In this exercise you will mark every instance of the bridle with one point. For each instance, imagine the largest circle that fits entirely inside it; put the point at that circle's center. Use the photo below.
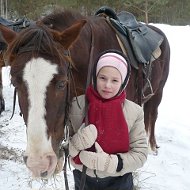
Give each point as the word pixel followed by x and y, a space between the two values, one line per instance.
pixel 65 142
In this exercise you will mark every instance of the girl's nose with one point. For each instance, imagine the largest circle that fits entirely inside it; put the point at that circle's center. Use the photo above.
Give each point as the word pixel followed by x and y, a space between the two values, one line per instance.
pixel 108 84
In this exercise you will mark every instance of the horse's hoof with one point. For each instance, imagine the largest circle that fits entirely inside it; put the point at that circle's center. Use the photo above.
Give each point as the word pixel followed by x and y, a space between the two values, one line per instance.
pixel 153 149
pixel 2 105
pixel 157 147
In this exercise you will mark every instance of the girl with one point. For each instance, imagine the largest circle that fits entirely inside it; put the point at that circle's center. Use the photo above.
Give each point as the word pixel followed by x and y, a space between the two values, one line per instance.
pixel 114 143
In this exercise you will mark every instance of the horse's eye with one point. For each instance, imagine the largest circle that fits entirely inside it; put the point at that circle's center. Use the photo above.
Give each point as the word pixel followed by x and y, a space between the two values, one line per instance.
pixel 61 85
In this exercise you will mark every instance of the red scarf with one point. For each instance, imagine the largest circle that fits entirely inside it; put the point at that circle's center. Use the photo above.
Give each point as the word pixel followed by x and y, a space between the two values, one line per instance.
pixel 107 115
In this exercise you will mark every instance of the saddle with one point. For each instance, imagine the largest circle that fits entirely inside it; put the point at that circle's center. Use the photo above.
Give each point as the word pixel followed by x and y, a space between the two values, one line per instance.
pixel 16 26
pixel 143 40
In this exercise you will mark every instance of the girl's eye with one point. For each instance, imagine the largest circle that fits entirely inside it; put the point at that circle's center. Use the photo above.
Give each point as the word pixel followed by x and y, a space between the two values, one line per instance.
pixel 101 77
pixel 115 81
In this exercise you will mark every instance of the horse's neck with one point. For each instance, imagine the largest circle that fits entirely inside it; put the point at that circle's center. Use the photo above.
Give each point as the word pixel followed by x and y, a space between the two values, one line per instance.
pixel 90 46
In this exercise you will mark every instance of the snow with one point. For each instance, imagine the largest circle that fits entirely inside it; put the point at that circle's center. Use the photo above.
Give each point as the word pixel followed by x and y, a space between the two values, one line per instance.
pixel 169 169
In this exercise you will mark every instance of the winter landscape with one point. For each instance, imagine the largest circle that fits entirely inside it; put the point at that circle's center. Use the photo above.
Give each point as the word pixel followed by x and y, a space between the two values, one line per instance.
pixel 168 170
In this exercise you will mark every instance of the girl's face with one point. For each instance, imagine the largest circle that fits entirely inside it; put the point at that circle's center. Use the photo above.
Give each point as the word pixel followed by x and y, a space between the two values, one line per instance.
pixel 108 82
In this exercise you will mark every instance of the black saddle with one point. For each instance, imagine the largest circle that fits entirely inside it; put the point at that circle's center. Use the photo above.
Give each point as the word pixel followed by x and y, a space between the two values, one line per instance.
pixel 16 25
pixel 107 11
pixel 144 41
pixel 5 22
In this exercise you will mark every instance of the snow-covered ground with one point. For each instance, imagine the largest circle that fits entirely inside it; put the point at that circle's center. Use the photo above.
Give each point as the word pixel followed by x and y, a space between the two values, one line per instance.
pixel 169 170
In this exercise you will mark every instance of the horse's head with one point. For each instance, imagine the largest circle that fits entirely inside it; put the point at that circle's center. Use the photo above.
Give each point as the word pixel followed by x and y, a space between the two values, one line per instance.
pixel 39 72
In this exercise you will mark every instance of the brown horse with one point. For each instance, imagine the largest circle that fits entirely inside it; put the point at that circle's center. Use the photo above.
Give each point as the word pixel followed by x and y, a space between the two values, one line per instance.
pixel 43 59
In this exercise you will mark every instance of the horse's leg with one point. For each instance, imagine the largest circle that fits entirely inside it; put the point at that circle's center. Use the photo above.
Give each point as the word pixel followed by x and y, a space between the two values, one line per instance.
pixel 2 102
pixel 150 116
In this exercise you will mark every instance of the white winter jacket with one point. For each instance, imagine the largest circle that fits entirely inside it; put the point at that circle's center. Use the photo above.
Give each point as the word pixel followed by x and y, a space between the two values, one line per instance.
pixel 137 154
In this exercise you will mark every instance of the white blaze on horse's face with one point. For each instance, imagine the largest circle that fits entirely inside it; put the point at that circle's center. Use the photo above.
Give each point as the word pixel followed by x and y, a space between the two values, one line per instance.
pixel 41 159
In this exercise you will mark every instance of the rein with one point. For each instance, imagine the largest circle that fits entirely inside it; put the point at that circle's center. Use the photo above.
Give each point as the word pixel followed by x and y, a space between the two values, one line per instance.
pixel 65 143
pixel 90 66
pixel 64 146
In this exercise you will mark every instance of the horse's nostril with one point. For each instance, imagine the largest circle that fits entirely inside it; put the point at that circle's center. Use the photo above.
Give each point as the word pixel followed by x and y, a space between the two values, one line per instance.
pixel 44 174
pixel 25 159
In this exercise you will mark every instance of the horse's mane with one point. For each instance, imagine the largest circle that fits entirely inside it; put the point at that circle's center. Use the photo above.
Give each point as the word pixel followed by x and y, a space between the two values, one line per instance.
pixel 37 40
pixel 62 18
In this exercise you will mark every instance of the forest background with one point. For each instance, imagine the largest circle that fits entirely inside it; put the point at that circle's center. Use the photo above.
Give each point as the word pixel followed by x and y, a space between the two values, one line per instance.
pixel 149 11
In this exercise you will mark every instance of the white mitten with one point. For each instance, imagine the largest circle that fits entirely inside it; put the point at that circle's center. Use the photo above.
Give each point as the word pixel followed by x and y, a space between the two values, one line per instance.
pixel 99 160
pixel 83 139
pixel 72 150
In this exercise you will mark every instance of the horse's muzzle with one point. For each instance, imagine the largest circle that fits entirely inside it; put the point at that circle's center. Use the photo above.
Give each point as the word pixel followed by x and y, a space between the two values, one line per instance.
pixel 41 166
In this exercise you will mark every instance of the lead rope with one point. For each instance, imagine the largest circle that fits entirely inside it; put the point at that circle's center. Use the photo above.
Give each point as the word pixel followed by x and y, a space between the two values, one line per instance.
pixel 66 150
pixel 65 142
pixel 90 66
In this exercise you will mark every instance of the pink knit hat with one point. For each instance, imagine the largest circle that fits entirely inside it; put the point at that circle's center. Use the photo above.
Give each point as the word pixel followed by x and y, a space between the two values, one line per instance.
pixel 113 60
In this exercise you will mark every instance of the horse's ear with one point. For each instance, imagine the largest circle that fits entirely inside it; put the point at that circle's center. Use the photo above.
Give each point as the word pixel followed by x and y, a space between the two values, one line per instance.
pixel 8 34
pixel 69 35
